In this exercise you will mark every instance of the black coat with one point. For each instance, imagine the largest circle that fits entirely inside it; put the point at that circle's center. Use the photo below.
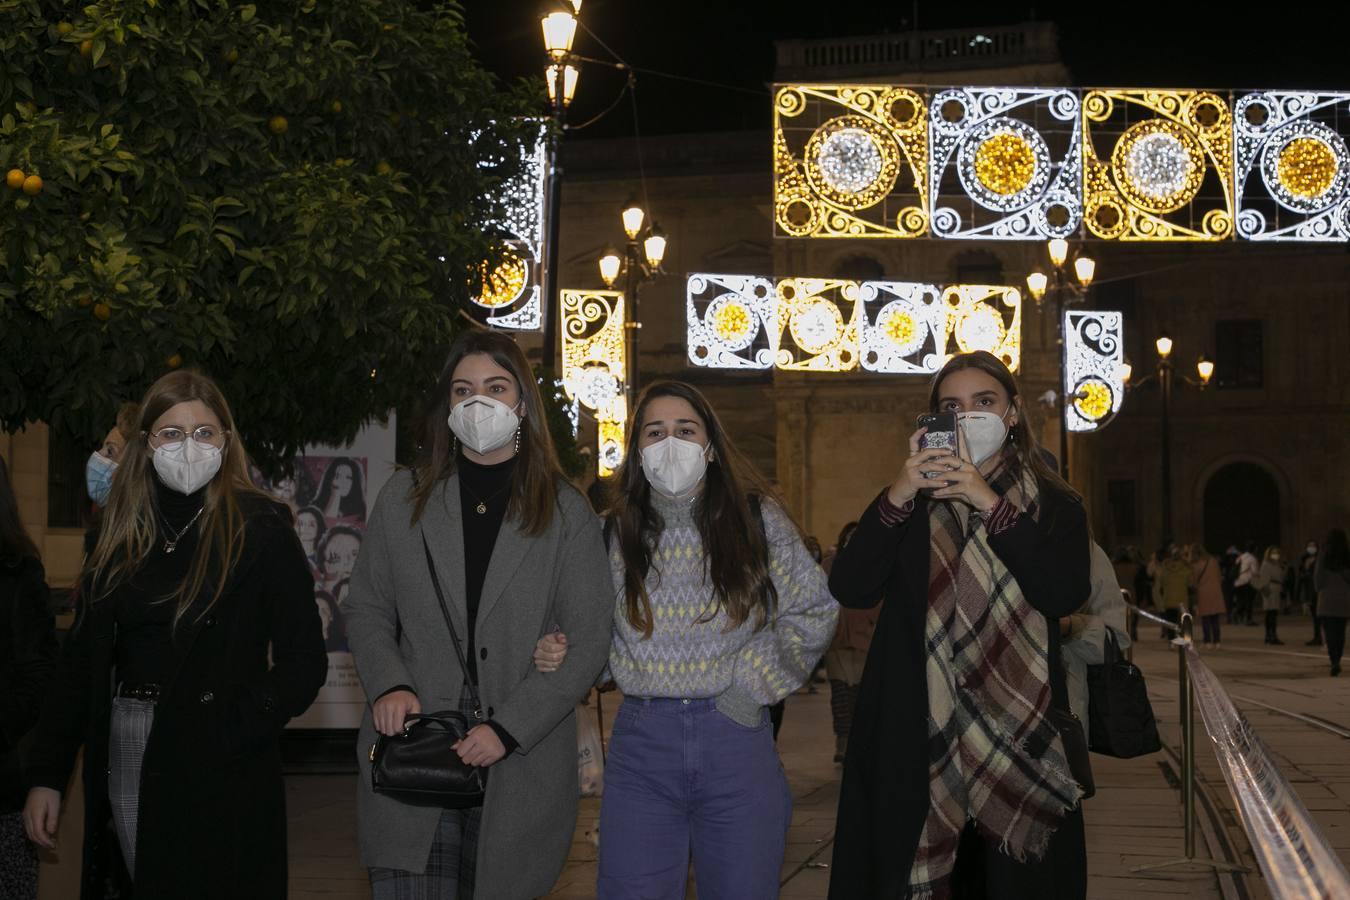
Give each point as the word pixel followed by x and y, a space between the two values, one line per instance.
pixel 212 821
pixel 883 799
pixel 28 652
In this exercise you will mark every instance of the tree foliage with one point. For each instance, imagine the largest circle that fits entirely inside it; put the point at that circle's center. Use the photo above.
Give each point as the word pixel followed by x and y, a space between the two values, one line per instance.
pixel 286 196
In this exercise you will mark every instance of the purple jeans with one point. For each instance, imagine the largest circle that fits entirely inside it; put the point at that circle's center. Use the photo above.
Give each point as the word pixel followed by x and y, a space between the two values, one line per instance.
pixel 683 778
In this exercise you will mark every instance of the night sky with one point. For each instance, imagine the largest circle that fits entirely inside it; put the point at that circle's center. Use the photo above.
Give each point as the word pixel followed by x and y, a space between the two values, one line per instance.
pixel 1171 43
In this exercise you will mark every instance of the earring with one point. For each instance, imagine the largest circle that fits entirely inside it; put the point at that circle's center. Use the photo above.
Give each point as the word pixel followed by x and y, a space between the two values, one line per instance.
pixel 517 441
pixel 454 445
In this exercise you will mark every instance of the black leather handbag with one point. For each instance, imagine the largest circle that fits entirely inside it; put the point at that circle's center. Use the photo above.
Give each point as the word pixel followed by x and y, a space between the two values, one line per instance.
pixel 417 766
pixel 1121 722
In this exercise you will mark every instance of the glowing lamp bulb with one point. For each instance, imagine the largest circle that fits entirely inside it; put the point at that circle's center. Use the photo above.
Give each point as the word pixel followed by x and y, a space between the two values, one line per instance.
pixel 568 76
pixel 654 247
pixel 1085 269
pixel 1164 345
pixel 1205 368
pixel 560 28
pixel 1125 370
pixel 610 264
pixel 1059 251
pixel 1037 282
pixel 633 217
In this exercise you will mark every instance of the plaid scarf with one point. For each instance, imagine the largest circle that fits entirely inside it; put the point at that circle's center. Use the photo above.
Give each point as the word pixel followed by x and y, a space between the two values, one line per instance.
pixel 994 755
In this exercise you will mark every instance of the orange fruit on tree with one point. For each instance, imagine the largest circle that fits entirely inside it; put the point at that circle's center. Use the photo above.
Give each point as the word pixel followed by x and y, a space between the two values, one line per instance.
pixel 14 178
pixel 85 300
pixel 337 106
pixel 232 56
pixel 64 28
pixel 278 124
pixel 32 185
pixel 86 48
pixel 102 312
pixel 383 168
pixel 174 361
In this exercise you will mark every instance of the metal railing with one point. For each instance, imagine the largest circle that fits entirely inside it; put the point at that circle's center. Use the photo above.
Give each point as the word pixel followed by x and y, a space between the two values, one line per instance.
pixel 1293 854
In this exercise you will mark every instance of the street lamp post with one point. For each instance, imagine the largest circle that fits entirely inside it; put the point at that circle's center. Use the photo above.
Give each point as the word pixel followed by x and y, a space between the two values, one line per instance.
pixel 643 252
pixel 561 76
pixel 1166 374
pixel 1063 289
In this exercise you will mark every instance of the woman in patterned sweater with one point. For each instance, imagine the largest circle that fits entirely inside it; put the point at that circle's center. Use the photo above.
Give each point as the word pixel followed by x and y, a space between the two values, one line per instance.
pixel 720 612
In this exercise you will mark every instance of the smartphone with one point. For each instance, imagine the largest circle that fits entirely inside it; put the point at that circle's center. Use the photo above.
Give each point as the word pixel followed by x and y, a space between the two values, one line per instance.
pixel 941 434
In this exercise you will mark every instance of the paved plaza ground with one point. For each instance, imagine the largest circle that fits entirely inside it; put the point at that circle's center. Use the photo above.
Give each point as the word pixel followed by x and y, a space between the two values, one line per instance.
pixel 1135 819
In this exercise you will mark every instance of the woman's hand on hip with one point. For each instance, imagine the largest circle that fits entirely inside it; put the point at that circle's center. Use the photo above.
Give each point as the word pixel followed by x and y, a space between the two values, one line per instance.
pixel 550 651
pixel 390 710
pixel 480 747
pixel 912 479
pixel 42 816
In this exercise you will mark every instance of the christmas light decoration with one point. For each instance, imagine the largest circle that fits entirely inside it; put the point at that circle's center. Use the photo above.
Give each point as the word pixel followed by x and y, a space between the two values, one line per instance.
pixel 510 297
pixel 1017 157
pixel 833 325
pixel 1149 186
pixel 593 355
pixel 1292 169
pixel 850 161
pixel 1094 368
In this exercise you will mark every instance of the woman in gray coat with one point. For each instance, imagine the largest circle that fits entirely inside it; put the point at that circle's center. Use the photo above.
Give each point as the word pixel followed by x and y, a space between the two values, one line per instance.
pixel 519 553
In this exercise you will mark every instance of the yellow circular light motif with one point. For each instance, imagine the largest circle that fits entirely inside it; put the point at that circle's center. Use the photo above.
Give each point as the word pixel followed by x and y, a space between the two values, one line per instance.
pixel 900 328
pixel 504 284
pixel 1307 167
pixel 731 322
pixel 1005 163
pixel 1094 401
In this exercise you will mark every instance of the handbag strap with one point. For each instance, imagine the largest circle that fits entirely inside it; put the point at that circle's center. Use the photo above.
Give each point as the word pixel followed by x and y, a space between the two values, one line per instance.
pixel 454 635
pixel 1110 647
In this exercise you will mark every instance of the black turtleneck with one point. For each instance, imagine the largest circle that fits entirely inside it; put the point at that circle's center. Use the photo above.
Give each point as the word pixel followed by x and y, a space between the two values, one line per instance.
pixel 145 651
pixel 491 487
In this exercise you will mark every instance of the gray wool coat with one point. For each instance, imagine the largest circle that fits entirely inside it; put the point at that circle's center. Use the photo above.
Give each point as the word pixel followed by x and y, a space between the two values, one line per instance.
pixel 559 577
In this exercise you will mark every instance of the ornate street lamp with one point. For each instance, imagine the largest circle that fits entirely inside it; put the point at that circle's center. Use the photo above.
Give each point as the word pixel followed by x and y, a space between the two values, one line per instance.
pixel 640 261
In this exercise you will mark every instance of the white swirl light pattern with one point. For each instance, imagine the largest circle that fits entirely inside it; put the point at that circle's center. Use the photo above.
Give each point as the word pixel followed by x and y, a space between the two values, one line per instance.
pixel 1038 193
pixel 732 321
pixel 1094 355
pixel 522 225
pixel 849 160
pixel 1308 200
pixel 1158 165
pixel 828 325
pixel 594 355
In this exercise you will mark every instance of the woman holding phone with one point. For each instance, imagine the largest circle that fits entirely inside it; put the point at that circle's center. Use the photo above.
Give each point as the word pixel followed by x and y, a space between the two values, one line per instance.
pixel 956 780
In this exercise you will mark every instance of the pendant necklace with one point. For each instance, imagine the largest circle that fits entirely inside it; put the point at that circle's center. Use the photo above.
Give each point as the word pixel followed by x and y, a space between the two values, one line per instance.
pixel 482 508
pixel 172 543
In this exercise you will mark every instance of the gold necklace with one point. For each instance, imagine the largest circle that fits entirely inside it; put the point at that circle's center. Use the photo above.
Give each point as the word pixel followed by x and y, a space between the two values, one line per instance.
pixel 482 507
pixel 172 543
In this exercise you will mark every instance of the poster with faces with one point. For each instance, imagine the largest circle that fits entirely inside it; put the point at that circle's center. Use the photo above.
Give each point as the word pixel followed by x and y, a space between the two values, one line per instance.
pixel 330 491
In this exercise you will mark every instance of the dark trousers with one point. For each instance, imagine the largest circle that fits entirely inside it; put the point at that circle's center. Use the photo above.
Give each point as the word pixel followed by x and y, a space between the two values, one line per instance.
pixel 983 873
pixel 1172 615
pixel 1209 627
pixel 1244 599
pixel 1272 617
pixel 1317 623
pixel 1333 629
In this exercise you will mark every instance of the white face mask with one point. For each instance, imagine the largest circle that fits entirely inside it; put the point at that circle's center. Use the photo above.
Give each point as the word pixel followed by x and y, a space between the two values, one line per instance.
pixel 982 433
pixel 484 424
pixel 674 467
pixel 186 466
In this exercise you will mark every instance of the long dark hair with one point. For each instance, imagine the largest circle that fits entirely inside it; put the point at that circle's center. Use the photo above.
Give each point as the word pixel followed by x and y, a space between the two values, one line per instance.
pixel 733 540
pixel 354 504
pixel 534 483
pixel 1021 436
pixel 15 544
pixel 1336 554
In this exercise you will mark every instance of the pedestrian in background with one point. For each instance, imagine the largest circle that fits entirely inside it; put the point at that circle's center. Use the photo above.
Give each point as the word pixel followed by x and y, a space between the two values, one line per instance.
pixel 1084 632
pixel 1307 590
pixel 27 658
pixel 847 655
pixel 1331 577
pixel 1244 591
pixel 1171 586
pixel 196 640
pixel 1270 583
pixel 979 555
pixel 1209 605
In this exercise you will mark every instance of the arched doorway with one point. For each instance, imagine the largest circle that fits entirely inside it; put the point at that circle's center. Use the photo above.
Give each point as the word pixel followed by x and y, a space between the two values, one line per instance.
pixel 1242 503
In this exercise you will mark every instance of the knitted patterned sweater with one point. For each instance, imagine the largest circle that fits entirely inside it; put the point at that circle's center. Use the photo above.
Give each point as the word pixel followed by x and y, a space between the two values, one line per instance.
pixel 744 669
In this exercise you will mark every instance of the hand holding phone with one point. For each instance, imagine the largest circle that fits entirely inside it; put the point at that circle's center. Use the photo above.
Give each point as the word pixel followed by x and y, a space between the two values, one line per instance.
pixel 927 450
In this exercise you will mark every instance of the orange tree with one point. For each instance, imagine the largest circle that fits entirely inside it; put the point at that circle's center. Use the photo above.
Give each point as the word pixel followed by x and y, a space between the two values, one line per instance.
pixel 286 196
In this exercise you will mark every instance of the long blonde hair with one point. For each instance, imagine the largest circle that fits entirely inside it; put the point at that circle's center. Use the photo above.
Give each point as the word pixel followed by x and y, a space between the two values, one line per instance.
pixel 129 528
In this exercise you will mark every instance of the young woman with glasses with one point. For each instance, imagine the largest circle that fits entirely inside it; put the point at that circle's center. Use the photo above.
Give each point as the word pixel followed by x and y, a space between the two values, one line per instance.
pixel 196 639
